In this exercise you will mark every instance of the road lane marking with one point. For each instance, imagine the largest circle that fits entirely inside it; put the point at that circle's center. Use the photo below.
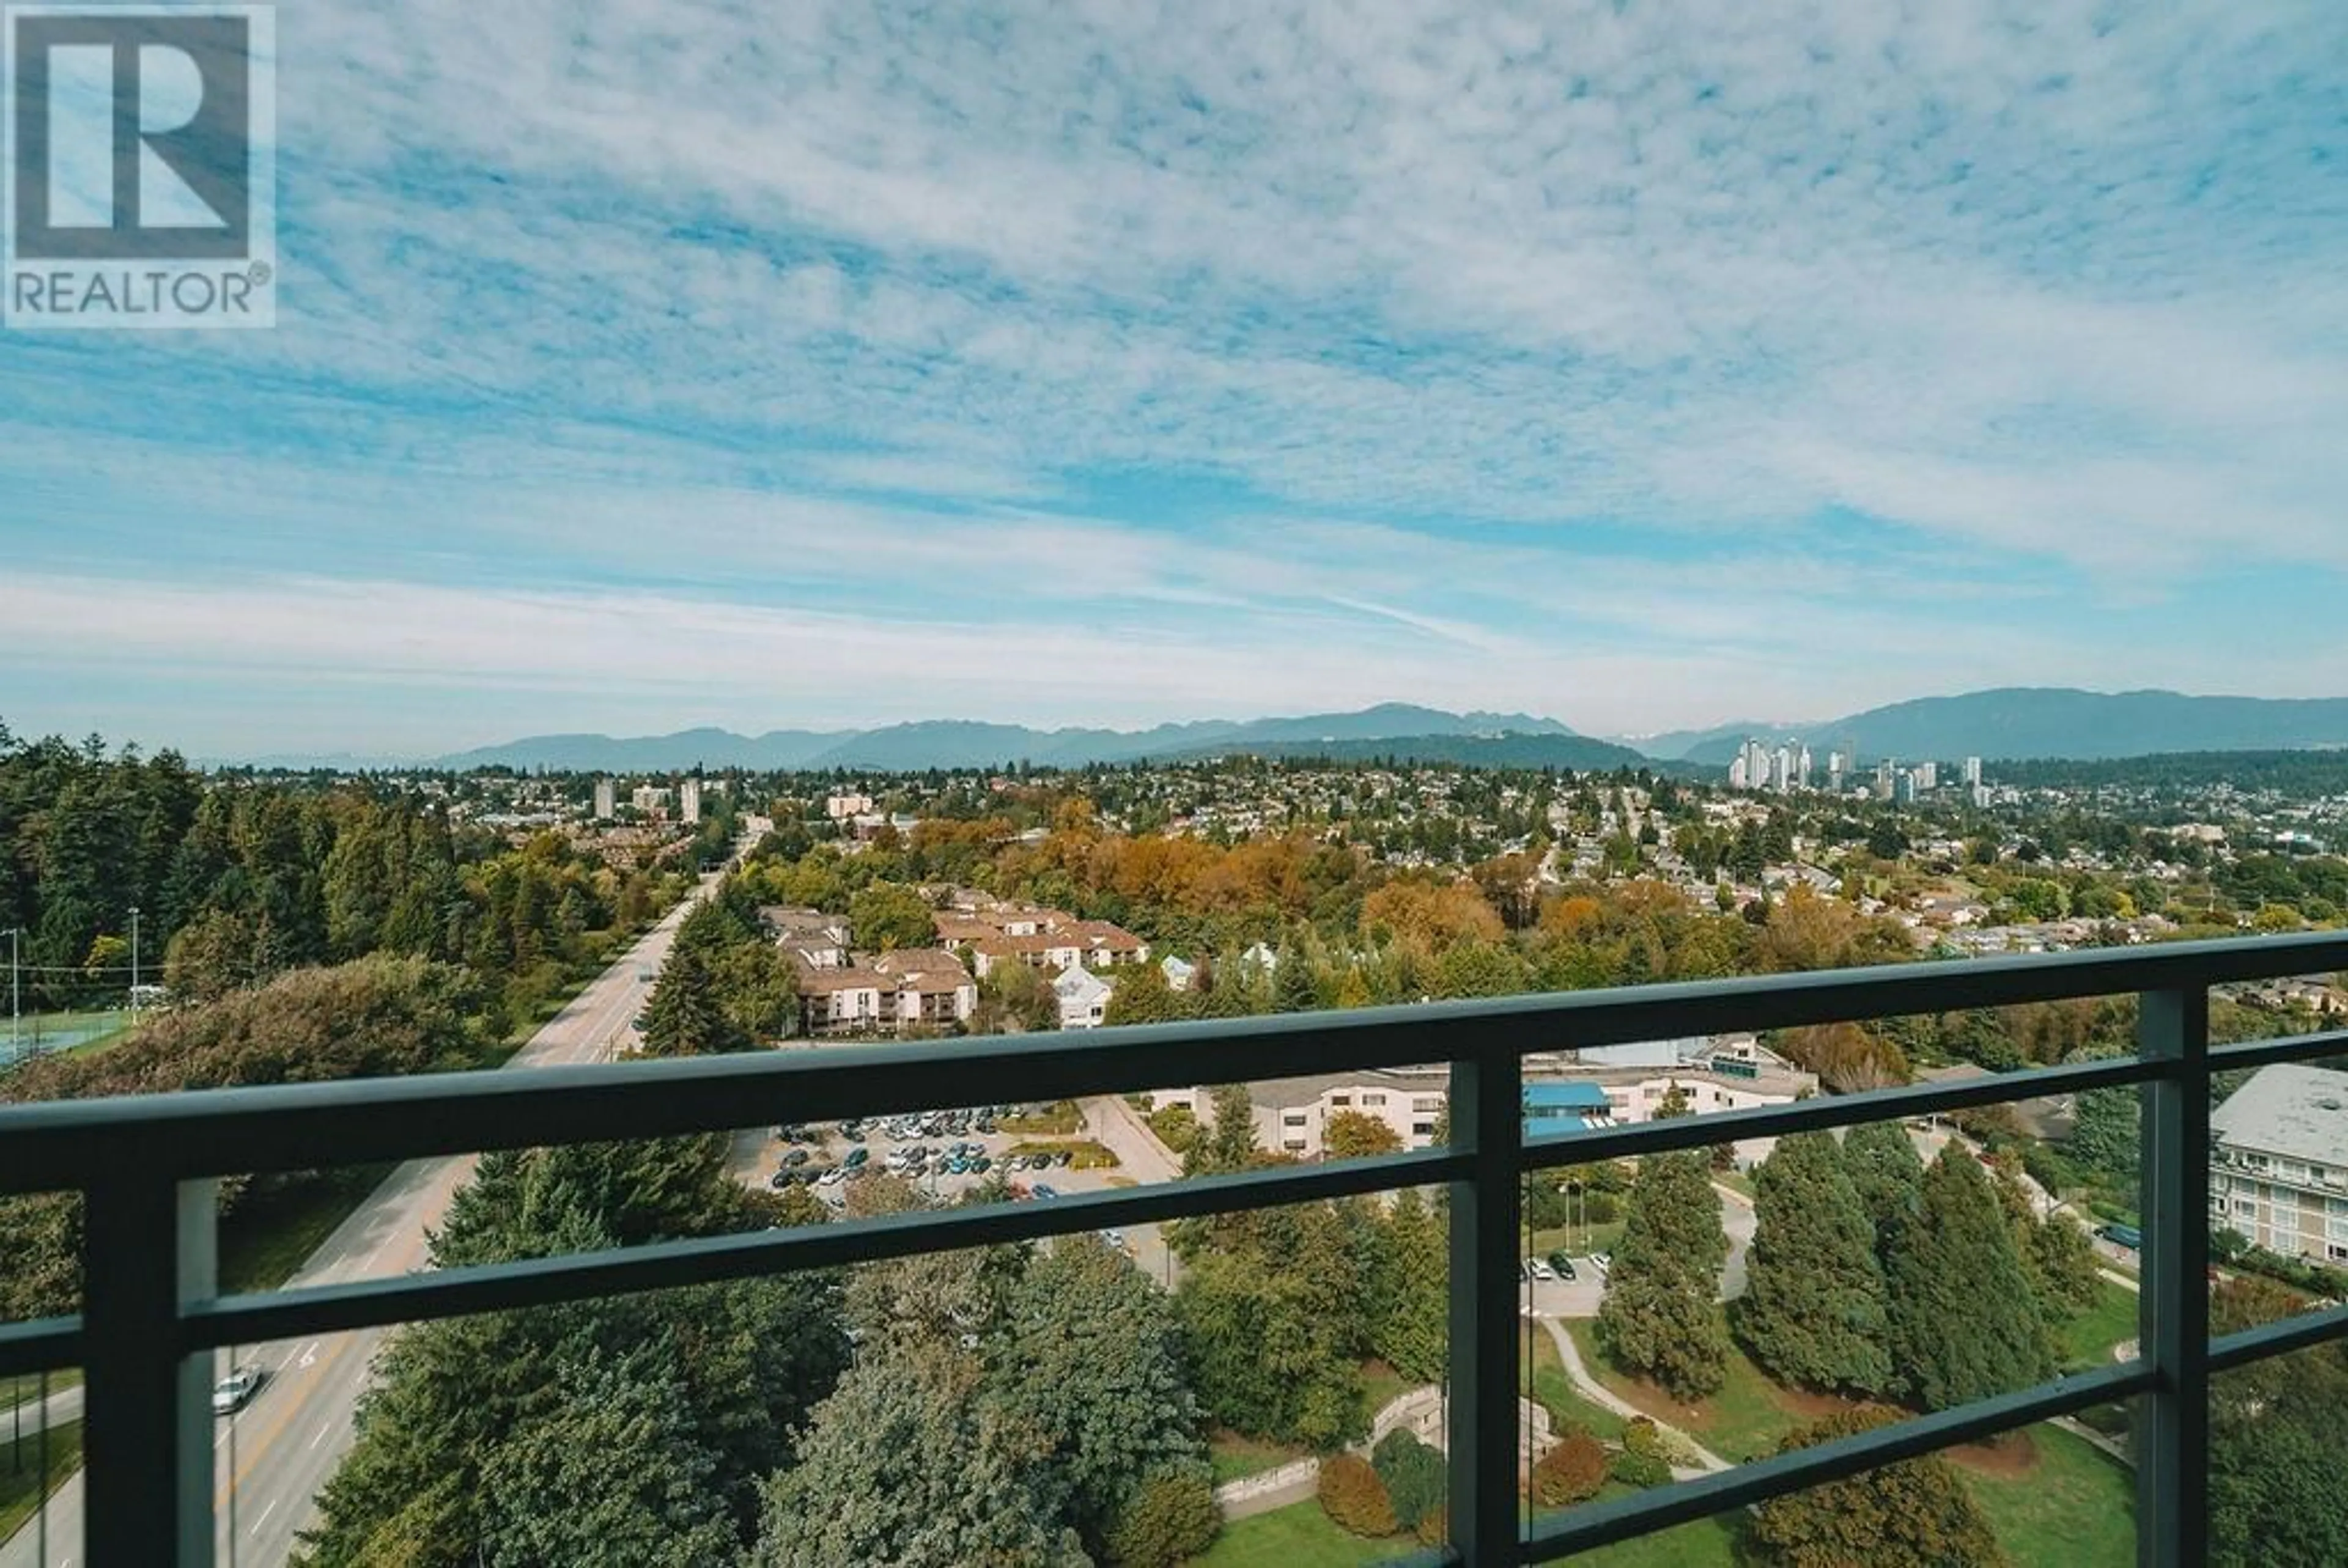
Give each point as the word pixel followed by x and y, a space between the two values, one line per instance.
pixel 323 1433
pixel 263 1519
pixel 251 1455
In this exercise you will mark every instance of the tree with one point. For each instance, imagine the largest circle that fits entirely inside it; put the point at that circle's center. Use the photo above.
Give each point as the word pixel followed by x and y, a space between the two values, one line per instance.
pixel 1408 1287
pixel 886 915
pixel 2106 1137
pixel 1813 1311
pixel 1888 1176
pixel 1914 1513
pixel 2274 1491
pixel 1091 1359
pixel 1228 1143
pixel 1660 1318
pixel 1352 1135
pixel 1414 1476
pixel 1571 1473
pixel 1354 1499
pixel 1170 1519
pixel 906 1463
pixel 685 1018
pixel 1965 1323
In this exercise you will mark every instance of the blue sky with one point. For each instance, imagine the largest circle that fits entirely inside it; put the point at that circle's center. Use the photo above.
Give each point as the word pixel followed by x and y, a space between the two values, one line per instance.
pixel 823 364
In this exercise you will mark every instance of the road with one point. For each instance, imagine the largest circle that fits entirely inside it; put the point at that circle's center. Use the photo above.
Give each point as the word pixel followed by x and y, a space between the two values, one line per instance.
pixel 276 1454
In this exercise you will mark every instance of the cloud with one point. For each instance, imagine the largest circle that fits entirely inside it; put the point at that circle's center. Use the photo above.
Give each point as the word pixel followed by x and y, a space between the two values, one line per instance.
pixel 1540 343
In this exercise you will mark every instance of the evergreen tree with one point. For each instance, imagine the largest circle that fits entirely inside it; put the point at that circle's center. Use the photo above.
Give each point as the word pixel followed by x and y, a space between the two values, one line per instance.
pixel 1965 1323
pixel 1888 1176
pixel 1660 1317
pixel 1813 1310
pixel 685 1018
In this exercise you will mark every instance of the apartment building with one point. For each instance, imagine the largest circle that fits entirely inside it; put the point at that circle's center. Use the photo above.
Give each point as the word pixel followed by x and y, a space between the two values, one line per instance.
pixel 1042 938
pixel 2279 1162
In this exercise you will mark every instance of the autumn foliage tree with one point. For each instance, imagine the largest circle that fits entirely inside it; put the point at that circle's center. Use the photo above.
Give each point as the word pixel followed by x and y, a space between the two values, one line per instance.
pixel 1354 1497
pixel 1571 1473
pixel 1914 1513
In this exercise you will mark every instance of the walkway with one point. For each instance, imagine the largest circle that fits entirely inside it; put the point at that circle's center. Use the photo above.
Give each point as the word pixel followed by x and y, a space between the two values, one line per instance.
pixel 1569 1356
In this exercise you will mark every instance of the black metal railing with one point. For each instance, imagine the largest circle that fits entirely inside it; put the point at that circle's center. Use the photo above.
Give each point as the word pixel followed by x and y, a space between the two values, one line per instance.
pixel 152 1316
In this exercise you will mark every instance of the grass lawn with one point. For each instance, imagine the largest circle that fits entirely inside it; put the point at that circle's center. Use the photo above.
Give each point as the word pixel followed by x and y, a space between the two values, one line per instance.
pixel 2076 1506
pixel 15 1392
pixel 1297 1536
pixel 2087 1339
pixel 1579 1241
pixel 1235 1458
pixel 273 1231
pixel 20 1488
pixel 1083 1154
pixel 1743 1421
pixel 1706 1543
pixel 1555 1392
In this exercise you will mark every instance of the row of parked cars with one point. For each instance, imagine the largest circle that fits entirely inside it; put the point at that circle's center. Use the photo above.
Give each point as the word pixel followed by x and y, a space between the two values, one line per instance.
pixel 1557 1266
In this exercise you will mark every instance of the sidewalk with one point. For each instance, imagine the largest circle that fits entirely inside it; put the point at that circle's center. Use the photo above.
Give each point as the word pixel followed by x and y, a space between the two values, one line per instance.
pixel 1597 1393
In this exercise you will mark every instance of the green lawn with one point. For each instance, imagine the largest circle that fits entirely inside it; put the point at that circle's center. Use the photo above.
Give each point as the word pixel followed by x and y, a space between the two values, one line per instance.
pixel 1555 1392
pixel 1580 1241
pixel 1706 1543
pixel 1297 1536
pixel 1235 1458
pixel 2087 1339
pixel 273 1232
pixel 15 1392
pixel 20 1488
pixel 1060 1121
pixel 2076 1506
pixel 1742 1421
pixel 1384 1385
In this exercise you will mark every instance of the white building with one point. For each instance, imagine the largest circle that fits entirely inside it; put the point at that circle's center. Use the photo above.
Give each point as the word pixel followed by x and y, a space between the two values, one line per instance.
pixel 650 798
pixel 841 807
pixel 689 801
pixel 1972 773
pixel 1084 999
pixel 1178 974
pixel 2279 1172
pixel 607 800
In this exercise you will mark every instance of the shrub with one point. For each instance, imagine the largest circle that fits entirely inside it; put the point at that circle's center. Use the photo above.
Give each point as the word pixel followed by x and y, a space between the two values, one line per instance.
pixel 1571 1473
pixel 1638 1469
pixel 1354 1497
pixel 1434 1526
pixel 1413 1475
pixel 1170 1519
pixel 1641 1436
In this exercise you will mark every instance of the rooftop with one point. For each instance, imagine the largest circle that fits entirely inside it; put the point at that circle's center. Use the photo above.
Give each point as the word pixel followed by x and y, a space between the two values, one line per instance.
pixel 2301 1113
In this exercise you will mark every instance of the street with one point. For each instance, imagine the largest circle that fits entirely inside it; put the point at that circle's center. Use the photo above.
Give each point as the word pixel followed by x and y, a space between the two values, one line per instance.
pixel 274 1455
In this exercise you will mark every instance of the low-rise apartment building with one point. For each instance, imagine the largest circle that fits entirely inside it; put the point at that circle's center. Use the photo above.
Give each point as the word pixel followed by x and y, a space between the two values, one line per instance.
pixel 886 993
pixel 2279 1162
pixel 1563 1091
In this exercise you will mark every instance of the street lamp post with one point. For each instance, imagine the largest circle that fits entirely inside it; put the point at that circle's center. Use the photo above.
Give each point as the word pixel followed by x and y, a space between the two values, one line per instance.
pixel 134 963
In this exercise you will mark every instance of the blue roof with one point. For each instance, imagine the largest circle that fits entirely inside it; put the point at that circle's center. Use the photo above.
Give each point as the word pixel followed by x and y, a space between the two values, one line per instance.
pixel 1564 1097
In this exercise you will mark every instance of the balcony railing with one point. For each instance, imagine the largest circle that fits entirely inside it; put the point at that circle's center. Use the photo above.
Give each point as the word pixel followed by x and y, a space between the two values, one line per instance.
pixel 153 1317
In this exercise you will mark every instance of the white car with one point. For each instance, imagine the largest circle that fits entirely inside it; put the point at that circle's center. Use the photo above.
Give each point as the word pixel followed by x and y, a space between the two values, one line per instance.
pixel 831 1178
pixel 231 1393
pixel 1540 1268
pixel 1601 1263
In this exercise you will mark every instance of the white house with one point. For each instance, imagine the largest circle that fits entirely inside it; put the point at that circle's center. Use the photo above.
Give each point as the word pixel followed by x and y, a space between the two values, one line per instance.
pixel 1084 998
pixel 1178 974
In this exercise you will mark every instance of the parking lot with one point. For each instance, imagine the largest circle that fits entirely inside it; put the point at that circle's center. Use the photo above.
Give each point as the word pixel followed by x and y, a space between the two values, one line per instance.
pixel 941 1154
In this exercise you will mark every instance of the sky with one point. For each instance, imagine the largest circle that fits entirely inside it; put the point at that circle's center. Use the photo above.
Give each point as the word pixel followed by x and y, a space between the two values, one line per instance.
pixel 650 364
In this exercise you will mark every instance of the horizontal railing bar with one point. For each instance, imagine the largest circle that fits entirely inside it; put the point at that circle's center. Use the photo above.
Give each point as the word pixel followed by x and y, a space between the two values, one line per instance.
pixel 1602 1525
pixel 2290 1047
pixel 40 1345
pixel 1595 1143
pixel 2300 1333
pixel 662 1266
pixel 302 1126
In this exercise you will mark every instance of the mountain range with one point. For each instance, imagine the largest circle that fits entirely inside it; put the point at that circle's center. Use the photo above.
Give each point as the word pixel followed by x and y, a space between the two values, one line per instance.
pixel 2018 722
pixel 2007 723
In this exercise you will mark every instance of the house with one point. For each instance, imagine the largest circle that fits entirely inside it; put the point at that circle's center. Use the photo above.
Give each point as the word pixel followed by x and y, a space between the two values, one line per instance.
pixel 1178 974
pixel 1084 998
pixel 887 993
pixel 2279 1172
pixel 1292 1115
pixel 1039 938
pixel 809 935
pixel 845 1000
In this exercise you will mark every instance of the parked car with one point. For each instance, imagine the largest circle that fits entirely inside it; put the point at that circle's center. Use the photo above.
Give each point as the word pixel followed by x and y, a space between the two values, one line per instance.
pixel 2122 1235
pixel 233 1392
pixel 1539 1268
pixel 783 1178
pixel 1045 1190
pixel 831 1178
pixel 1564 1265
pixel 1601 1263
pixel 795 1157
pixel 1062 1158
pixel 856 1156
pixel 1114 1238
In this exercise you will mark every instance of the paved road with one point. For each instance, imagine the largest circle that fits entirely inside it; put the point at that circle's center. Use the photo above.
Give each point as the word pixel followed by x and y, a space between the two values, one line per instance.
pixel 276 1454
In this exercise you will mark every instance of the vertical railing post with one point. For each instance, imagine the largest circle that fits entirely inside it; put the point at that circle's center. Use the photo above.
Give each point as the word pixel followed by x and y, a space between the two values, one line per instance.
pixel 1487 1121
pixel 147 1452
pixel 2173 1311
